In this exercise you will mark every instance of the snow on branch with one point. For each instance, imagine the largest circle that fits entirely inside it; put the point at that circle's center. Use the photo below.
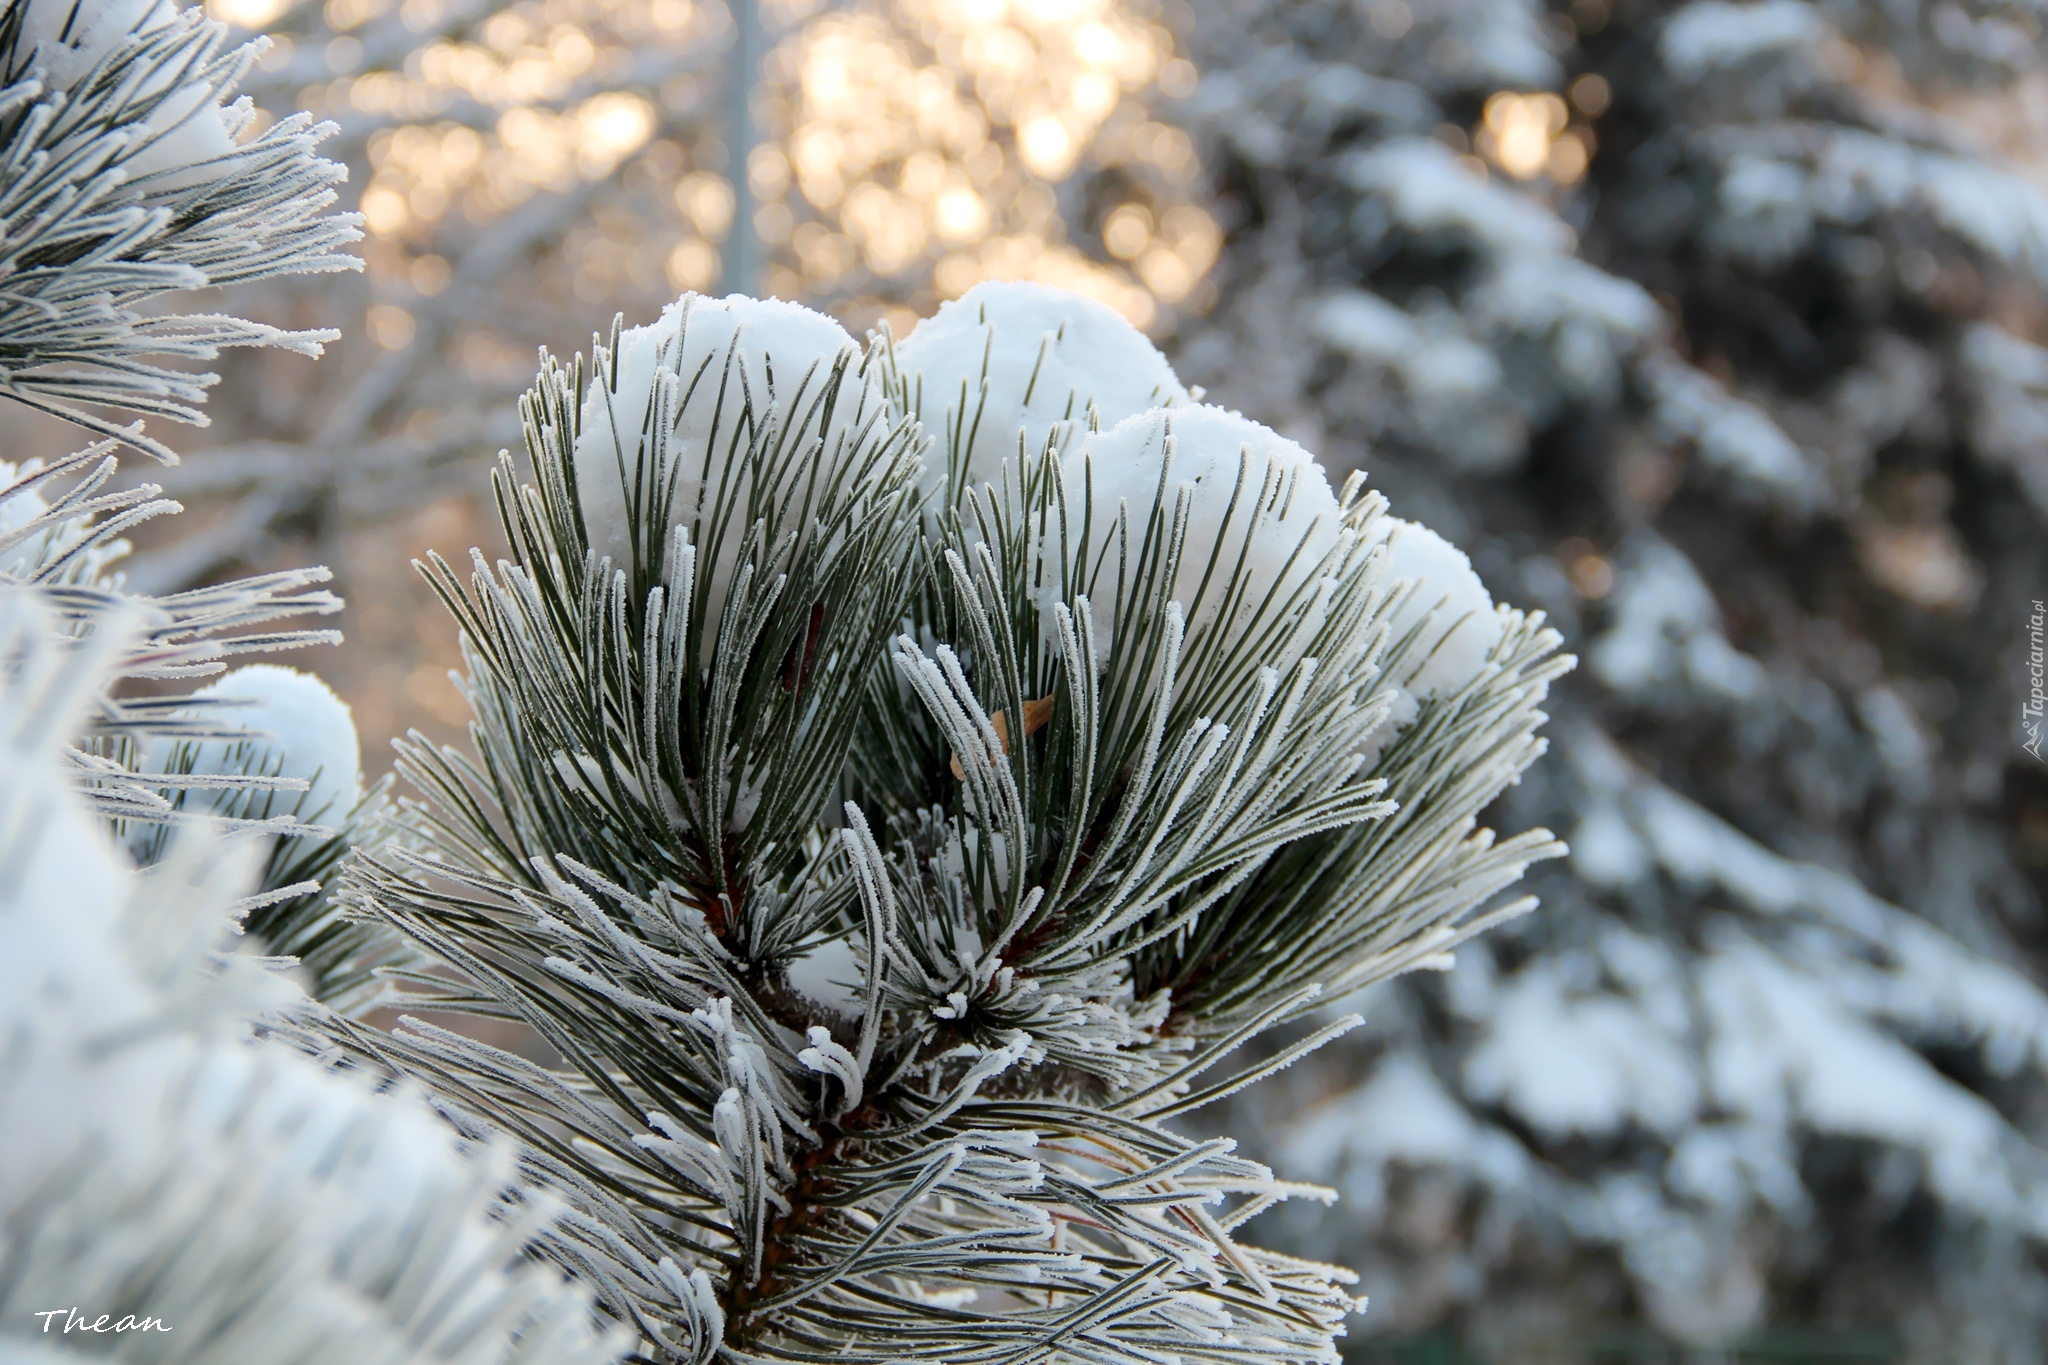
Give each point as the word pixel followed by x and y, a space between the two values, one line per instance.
pixel 156 1161
pixel 888 854
pixel 128 175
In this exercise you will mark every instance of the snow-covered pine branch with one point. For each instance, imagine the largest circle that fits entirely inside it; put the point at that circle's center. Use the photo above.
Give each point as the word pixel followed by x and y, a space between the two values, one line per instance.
pixel 887 872
pixel 128 175
pixel 155 1162
pixel 61 540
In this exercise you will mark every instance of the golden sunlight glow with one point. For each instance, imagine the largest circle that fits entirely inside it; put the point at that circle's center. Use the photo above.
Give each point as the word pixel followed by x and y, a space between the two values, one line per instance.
pixel 1127 231
pixel 960 215
pixel 920 141
pixel 1048 148
pixel 1519 134
pixel 609 127
pixel 693 265
pixel 908 149
pixel 390 326
pixel 706 200
pixel 251 14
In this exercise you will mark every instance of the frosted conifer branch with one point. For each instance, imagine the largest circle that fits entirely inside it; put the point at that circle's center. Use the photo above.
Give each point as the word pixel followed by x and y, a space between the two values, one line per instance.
pixel 127 175
pixel 882 870
pixel 155 1161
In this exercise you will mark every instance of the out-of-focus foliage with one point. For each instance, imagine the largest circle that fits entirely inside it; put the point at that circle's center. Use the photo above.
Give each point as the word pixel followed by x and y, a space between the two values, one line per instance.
pixel 524 164
pixel 1718 328
pixel 923 146
pixel 513 164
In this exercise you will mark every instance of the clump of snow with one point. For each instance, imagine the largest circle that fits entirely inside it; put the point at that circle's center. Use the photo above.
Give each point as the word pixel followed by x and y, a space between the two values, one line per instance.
pixel 2007 381
pixel 1000 370
pixel 1606 850
pixel 296 727
pixel 1902 742
pixel 1272 543
pixel 1453 385
pixel 666 442
pixel 1360 323
pixel 1665 632
pixel 1441 632
pixel 1729 1163
pixel 1589 321
pixel 1447 625
pixel 1709 36
pixel 1424 188
pixel 1403 1114
pixel 183 132
pixel 830 974
pixel 1767 209
pixel 1586 1062
pixel 1500 44
pixel 1735 437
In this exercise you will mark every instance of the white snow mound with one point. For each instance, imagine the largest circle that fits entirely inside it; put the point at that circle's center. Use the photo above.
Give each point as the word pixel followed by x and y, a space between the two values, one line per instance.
pixel 1007 366
pixel 665 445
pixel 296 727
pixel 1254 496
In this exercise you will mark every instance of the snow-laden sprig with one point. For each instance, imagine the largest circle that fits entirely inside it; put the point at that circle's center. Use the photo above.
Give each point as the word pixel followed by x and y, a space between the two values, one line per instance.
pixel 273 725
pixel 1028 837
pixel 1264 663
pixel 153 761
pixel 704 422
pixel 668 671
pixel 127 175
pixel 998 372
pixel 61 538
pixel 155 1162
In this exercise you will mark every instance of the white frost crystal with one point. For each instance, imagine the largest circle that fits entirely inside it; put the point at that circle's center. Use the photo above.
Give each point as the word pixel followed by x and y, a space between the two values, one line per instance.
pixel 674 416
pixel 297 727
pixel 1009 364
pixel 1257 498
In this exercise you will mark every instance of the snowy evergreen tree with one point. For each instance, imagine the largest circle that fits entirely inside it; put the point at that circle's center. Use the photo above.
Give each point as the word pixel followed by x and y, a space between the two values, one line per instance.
pixel 1716 330
pixel 893 878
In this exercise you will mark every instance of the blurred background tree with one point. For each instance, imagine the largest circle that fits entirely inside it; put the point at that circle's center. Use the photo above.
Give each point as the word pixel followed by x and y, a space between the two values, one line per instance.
pixel 1714 328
